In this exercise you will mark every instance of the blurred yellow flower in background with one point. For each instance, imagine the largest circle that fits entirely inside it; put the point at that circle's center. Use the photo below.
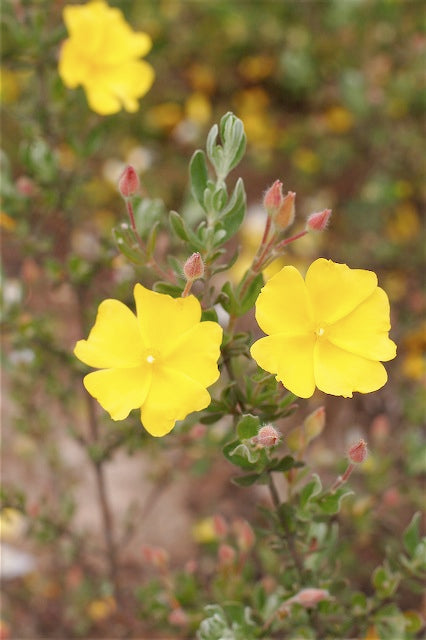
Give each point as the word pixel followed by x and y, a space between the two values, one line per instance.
pixel 329 331
pixel 102 54
pixel 161 359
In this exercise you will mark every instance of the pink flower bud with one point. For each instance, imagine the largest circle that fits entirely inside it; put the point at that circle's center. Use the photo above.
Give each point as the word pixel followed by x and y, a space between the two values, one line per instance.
pixel 194 267
pixel 268 436
pixel 198 431
pixel 273 197
pixel 358 452
pixel 318 221
pixel 226 555
pixel 285 215
pixel 157 556
pixel 310 597
pixel 220 526
pixel 244 534
pixel 178 617
pixel 128 183
pixel 25 186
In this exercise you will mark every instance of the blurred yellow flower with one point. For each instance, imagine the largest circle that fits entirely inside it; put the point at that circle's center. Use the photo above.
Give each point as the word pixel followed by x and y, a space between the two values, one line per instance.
pixel 198 108
pixel 405 224
pixel 12 523
pixel 306 160
pixel 161 359
pixel 329 331
pixel 204 531
pixel 102 54
pixel 101 608
pixel 338 119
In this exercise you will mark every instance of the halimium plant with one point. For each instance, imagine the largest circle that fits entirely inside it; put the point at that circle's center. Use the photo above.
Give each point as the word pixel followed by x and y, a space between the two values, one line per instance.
pixel 182 357
pixel 181 352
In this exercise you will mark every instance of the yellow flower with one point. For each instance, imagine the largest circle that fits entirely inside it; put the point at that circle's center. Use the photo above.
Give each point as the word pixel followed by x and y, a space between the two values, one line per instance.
pixel 161 359
pixel 102 54
pixel 329 331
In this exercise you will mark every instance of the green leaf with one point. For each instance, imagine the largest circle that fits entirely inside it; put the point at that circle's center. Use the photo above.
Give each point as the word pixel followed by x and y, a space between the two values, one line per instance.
pixel 390 623
pixel 127 243
pixel 285 464
pixel 151 240
pixel 251 294
pixel 211 146
pixel 178 226
pixel 233 138
pixel 228 300
pixel 310 490
pixel 248 426
pixel 330 503
pixel 233 214
pixel 245 451
pixel 411 536
pixel 209 314
pixel 166 287
pixel 230 453
pixel 247 480
pixel 198 175
pixel 385 582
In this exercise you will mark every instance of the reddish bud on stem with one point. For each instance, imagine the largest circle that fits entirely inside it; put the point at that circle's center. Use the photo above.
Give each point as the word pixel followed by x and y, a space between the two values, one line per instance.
pixel 194 267
pixel 128 183
pixel 273 197
pixel 268 436
pixel 318 221
pixel 358 452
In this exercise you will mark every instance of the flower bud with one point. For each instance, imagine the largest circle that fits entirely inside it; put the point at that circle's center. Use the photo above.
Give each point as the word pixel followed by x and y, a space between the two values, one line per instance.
pixel 244 534
pixel 358 452
pixel 128 183
pixel 268 436
pixel 314 423
pixel 156 556
pixel 226 555
pixel 220 525
pixel 194 267
pixel 273 198
pixel 285 215
pixel 318 221
pixel 310 597
pixel 178 617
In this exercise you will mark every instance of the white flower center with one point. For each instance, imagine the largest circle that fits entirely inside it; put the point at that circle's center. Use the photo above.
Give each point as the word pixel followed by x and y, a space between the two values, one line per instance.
pixel 320 332
pixel 150 359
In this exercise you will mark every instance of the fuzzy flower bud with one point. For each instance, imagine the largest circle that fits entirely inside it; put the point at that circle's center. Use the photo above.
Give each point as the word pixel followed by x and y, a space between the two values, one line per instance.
pixel 358 452
pixel 194 267
pixel 220 526
pixel 285 215
pixel 178 617
pixel 244 534
pixel 318 221
pixel 268 436
pixel 310 597
pixel 128 183
pixel 155 556
pixel 226 555
pixel 273 198
pixel 314 423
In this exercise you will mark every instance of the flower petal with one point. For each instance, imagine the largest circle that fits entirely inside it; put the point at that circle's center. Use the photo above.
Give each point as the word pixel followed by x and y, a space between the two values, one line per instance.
pixel 163 319
pixel 118 86
pixel 115 339
pixel 340 373
pixel 119 391
pixel 196 353
pixel 291 358
pixel 101 99
pixel 283 305
pixel 365 330
pixel 172 397
pixel 336 290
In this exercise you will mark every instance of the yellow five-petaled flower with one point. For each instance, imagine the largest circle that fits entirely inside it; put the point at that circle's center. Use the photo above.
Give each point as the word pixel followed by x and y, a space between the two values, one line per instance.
pixel 102 54
pixel 162 359
pixel 328 331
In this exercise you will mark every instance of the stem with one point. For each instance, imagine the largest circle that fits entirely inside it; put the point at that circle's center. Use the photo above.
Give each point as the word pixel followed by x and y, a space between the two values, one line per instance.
pixel 106 514
pixel 292 239
pixel 152 263
pixel 342 479
pixel 289 536
pixel 187 289
pixel 231 375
